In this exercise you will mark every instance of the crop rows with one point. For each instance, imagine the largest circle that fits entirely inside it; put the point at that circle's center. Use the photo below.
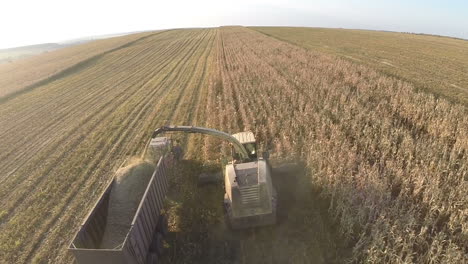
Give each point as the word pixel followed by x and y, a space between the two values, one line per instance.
pixel 386 166
pixel 391 162
pixel 62 141
pixel 24 74
pixel 432 63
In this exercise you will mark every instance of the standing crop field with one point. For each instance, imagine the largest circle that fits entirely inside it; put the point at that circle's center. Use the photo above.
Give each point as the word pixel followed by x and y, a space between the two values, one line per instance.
pixel 433 63
pixel 391 162
pixel 384 173
pixel 388 163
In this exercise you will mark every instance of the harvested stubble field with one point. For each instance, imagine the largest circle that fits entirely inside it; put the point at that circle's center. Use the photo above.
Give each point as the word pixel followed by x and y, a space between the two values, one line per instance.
pixel 62 141
pixel 434 63
pixel 385 174
pixel 28 73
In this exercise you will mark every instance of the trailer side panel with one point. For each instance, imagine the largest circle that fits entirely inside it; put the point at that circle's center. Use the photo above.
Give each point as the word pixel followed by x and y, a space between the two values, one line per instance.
pixel 146 218
pixel 92 229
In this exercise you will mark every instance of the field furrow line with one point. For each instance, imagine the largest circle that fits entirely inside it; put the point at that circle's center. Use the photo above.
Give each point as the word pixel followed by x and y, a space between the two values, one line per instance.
pixel 211 120
pixel 62 157
pixel 198 116
pixel 78 140
pixel 62 106
pixel 126 80
pixel 255 61
pixel 142 131
pixel 128 128
pixel 73 80
pixel 186 111
pixel 67 68
pixel 190 97
pixel 77 91
pixel 240 106
pixel 222 103
pixel 245 101
pixel 100 110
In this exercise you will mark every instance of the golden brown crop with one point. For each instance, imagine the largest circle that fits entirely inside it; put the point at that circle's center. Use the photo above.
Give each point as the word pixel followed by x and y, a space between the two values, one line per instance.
pixel 392 162
pixel 432 63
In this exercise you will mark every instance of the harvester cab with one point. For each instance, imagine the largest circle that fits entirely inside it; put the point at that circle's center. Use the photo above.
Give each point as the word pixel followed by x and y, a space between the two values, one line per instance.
pixel 247 139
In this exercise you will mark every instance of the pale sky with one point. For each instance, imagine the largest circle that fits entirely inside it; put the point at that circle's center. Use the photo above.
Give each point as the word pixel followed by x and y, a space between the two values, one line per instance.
pixel 24 22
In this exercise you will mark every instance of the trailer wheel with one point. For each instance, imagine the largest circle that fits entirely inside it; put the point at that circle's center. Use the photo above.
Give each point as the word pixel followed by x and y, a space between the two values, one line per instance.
pixel 274 200
pixel 227 212
pixel 162 226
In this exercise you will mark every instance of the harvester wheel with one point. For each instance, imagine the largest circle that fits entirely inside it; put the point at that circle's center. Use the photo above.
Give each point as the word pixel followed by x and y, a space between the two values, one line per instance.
pixel 153 258
pixel 162 226
pixel 274 200
pixel 226 208
pixel 157 245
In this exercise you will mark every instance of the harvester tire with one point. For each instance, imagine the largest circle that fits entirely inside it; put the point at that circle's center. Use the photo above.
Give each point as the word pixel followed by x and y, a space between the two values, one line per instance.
pixel 153 258
pixel 162 226
pixel 157 245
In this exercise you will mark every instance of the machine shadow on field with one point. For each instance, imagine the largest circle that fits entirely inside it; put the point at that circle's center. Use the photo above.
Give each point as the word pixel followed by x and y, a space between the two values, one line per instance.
pixel 199 232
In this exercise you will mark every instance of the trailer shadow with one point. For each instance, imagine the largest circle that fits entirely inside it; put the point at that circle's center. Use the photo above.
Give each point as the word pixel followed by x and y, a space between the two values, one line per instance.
pixel 199 232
